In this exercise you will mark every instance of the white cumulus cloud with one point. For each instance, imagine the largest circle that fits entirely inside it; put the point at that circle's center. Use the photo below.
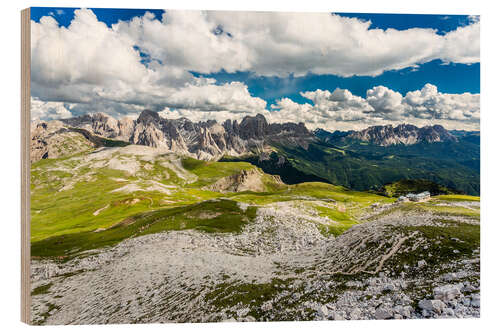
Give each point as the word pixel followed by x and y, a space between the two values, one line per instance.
pixel 274 43
pixel 49 110
pixel 429 103
pixel 98 68
pixel 341 109
pixel 385 102
pixel 147 62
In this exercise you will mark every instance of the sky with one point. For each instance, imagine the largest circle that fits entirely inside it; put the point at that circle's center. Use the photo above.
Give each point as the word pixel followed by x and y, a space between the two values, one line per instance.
pixel 335 71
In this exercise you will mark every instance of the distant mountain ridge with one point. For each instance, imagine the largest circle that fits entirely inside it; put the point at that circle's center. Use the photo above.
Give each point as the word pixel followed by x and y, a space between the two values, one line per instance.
pixel 209 140
pixel 388 135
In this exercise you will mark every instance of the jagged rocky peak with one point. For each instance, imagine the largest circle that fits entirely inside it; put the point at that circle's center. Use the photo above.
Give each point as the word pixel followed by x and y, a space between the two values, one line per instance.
pixel 289 128
pixel 253 127
pixel 386 135
pixel 402 134
pixel 184 124
pixel 148 116
pixel 436 133
pixel 97 123
pixel 320 133
pixel 203 140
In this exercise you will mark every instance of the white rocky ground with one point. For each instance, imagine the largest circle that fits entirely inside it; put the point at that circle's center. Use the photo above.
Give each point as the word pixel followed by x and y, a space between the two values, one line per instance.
pixel 279 268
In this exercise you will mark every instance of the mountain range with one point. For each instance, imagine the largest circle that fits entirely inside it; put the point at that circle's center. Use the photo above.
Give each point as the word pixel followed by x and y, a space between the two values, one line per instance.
pixel 206 140
pixel 361 160
pixel 388 135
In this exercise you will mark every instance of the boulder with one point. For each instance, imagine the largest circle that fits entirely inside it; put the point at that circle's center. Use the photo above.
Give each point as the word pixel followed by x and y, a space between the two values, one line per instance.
pixel 448 292
pixel 389 287
pixel 383 313
pixel 433 305
pixel 407 310
pixel 338 316
pixel 450 277
pixel 449 312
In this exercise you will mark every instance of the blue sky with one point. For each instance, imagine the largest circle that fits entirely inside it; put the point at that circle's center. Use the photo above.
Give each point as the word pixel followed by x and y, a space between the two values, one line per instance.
pixel 451 78
pixel 443 23
pixel 64 15
pixel 450 73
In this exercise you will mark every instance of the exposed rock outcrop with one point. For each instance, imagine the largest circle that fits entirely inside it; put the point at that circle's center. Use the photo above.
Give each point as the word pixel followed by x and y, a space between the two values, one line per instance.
pixel 97 123
pixel 52 140
pixel 245 180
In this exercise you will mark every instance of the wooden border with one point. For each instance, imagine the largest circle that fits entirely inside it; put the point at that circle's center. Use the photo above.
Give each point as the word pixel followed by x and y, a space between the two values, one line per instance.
pixel 25 164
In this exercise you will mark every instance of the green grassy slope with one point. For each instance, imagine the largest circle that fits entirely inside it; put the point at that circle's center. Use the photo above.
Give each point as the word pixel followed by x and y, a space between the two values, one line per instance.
pixel 208 216
pixel 341 205
pixel 71 195
pixel 274 166
pixel 96 199
pixel 209 171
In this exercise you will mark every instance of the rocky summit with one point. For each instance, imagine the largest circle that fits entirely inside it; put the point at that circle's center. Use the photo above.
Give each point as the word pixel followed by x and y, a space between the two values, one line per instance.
pixel 403 134
pixel 388 135
pixel 207 140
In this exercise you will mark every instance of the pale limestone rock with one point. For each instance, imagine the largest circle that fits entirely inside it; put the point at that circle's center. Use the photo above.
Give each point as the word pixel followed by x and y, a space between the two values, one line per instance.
pixel 447 292
pixel 433 305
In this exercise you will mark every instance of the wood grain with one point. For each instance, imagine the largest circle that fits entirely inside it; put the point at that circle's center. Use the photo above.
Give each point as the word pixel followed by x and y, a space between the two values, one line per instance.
pixel 25 164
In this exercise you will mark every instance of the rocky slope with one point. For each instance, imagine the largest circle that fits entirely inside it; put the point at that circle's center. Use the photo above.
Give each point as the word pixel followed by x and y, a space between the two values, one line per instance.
pixel 202 140
pixel 388 135
pixel 280 267
pixel 245 180
pixel 163 238
pixel 53 139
